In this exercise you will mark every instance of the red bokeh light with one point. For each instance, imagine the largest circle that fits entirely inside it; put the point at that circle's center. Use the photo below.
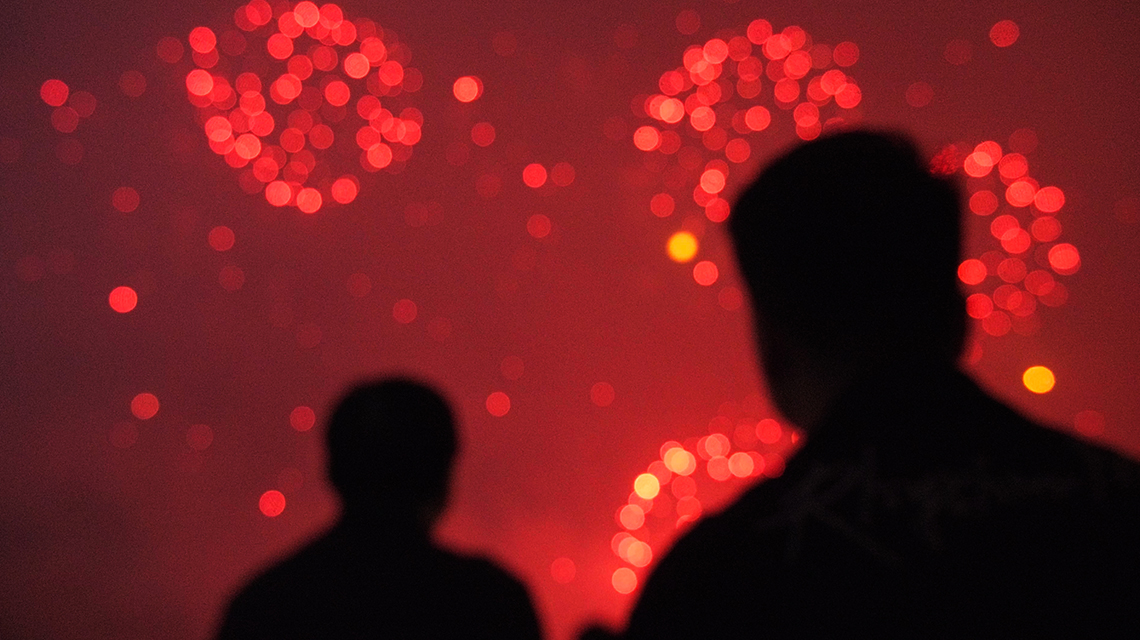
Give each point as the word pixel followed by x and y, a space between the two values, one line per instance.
pixel 539 225
pixel 144 406
pixel 602 394
pixel 54 92
pixel 1004 33
pixel 498 404
pixel 123 299
pixel 221 238
pixel 302 418
pixel 271 503
pixel 534 175
pixel 467 89
pixel 404 311
pixel 562 570
pixel 705 273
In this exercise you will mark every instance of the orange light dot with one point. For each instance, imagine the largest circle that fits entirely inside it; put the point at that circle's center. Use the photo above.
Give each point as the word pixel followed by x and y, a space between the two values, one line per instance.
pixel 309 200
pixel 705 273
pixel 702 118
pixel 247 146
pixel 534 175
pixel 123 299
pixel 498 404
pixel 272 503
pixel 631 517
pixel 356 65
pixel 713 181
pixel 202 40
pixel 221 238
pixel 647 486
pixel 1004 33
pixel 646 138
pixel 639 554
pixel 624 581
pixel 562 570
pixel 682 246
pixel 54 92
pixel 199 82
pixel 144 406
pixel 467 88
pixel 680 462
pixel 344 190
pixel 302 418
pixel 741 465
pixel 1038 379
pixel 278 193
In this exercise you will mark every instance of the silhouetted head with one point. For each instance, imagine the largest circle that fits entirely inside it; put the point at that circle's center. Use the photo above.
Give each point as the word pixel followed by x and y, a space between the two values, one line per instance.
pixel 850 249
pixel 391 445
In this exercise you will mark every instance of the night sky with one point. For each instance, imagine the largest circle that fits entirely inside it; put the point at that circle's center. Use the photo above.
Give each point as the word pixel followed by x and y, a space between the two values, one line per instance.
pixel 542 240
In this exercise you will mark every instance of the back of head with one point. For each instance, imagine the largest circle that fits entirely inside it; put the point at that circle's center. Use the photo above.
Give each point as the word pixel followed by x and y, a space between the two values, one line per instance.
pixel 391 444
pixel 851 245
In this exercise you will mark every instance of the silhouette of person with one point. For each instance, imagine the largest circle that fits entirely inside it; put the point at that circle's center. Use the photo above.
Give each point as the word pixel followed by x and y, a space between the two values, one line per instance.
pixel 918 506
pixel 376 573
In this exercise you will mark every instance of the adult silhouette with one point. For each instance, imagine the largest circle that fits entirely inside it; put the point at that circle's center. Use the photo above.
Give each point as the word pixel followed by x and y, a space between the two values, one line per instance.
pixel 918 505
pixel 376 573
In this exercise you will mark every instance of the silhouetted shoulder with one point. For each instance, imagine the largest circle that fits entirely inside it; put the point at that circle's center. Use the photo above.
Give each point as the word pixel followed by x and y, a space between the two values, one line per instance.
pixel 404 590
pixel 912 504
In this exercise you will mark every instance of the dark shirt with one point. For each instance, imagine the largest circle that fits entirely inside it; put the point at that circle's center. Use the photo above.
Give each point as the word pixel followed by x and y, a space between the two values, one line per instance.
pixel 355 585
pixel 919 507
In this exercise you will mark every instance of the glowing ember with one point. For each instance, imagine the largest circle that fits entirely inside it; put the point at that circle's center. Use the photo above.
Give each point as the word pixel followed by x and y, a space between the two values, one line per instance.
pixel 1007 284
pixel 321 78
pixel 739 446
pixel 712 97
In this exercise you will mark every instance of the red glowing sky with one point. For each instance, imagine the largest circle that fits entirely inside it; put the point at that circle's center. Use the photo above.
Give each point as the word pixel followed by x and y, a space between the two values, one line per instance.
pixel 172 340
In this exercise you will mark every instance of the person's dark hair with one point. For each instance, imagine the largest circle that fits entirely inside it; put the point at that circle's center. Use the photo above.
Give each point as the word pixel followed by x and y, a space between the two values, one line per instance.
pixel 391 444
pixel 849 243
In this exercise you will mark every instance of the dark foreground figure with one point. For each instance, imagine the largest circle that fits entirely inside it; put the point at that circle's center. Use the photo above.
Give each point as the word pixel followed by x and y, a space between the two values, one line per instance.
pixel 376 574
pixel 918 507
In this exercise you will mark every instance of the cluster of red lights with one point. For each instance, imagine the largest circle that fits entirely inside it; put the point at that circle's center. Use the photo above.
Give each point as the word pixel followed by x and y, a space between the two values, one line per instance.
pixel 296 93
pixel 709 107
pixel 729 452
pixel 1009 281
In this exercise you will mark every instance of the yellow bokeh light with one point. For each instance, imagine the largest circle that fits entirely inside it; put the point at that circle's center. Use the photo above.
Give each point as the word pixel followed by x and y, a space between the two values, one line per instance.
pixel 1038 379
pixel 647 486
pixel 682 246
